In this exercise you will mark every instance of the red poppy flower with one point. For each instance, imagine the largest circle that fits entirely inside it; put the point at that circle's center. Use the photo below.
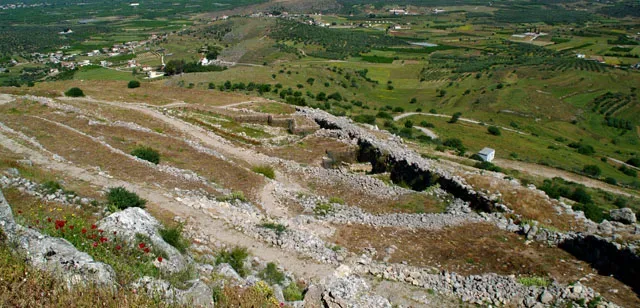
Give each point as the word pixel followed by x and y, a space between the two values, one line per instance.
pixel 115 232
pixel 19 212
pixel 60 224
pixel 95 244
pixel 100 231
pixel 160 259
pixel 103 239
pixel 49 219
pixel 118 247
pixel 83 231
pixel 147 250
pixel 71 227
pixel 93 227
pixel 141 245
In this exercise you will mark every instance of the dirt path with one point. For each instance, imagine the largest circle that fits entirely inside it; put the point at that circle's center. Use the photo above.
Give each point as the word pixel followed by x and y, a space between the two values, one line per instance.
pixel 214 229
pixel 427 132
pixel 619 162
pixel 408 114
pixel 6 98
pixel 548 172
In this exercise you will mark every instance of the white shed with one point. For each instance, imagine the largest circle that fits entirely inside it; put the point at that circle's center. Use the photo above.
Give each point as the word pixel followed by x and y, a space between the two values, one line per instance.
pixel 487 154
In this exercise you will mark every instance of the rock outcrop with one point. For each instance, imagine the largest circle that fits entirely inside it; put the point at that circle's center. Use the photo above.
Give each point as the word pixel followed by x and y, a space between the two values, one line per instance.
pixel 130 223
pixel 624 215
pixel 197 294
pixel 52 254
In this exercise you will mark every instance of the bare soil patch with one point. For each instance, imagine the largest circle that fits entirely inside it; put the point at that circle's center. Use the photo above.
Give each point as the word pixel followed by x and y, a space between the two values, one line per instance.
pixel 526 202
pixel 481 248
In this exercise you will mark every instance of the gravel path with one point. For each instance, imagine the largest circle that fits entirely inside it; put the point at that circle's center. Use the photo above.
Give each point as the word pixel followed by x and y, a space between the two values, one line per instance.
pixel 408 114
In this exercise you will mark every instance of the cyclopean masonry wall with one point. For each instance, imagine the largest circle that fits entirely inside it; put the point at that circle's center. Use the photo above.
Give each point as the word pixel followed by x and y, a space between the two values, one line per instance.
pixel 404 165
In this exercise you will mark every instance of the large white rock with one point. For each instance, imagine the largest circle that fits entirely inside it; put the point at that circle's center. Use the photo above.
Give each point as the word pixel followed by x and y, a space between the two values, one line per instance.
pixel 624 215
pixel 133 221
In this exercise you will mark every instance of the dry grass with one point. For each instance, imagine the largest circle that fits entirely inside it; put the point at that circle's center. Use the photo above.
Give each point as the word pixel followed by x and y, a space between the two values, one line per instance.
pixel 309 150
pixel 23 286
pixel 84 151
pixel 270 107
pixel 477 249
pixel 374 203
pixel 155 93
pixel 173 151
pixel 528 203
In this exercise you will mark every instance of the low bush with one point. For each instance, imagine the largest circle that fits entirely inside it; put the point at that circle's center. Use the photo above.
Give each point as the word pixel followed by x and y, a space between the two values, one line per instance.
pixel 323 209
pixel 455 143
pixel 365 118
pixel 173 236
pixel 485 165
pixel 122 199
pixel 236 195
pixel 133 84
pixel 337 200
pixel 494 130
pixel 592 170
pixel 455 117
pixel 235 257
pixel 271 274
pixel 265 170
pixel 278 228
pixel 74 92
pixel 534 281
pixel 634 161
pixel 51 187
pixel 292 293
pixel 628 171
pixel 147 153
pixel 592 211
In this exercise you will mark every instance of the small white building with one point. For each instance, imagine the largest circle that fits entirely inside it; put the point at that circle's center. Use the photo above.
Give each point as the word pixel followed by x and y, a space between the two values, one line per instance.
pixel 487 154
pixel 154 74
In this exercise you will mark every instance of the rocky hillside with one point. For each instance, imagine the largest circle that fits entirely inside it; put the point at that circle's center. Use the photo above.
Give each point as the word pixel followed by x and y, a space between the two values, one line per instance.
pixel 239 201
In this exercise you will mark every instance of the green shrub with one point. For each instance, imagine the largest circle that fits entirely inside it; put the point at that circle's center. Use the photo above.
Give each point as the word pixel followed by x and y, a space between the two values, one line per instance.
pixel 74 92
pixel 265 170
pixel 147 153
pixel 365 118
pixel 51 187
pixel 323 209
pixel 581 195
pixel 455 143
pixel 271 274
pixel 173 236
pixel 634 161
pixel 122 198
pixel 292 293
pixel 592 211
pixel 278 228
pixel 534 281
pixel 485 165
pixel 610 180
pixel 582 148
pixel 628 171
pixel 494 130
pixel 236 195
pixel 133 84
pixel 408 124
pixel 455 117
pixel 337 200
pixel 235 258
pixel 592 170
